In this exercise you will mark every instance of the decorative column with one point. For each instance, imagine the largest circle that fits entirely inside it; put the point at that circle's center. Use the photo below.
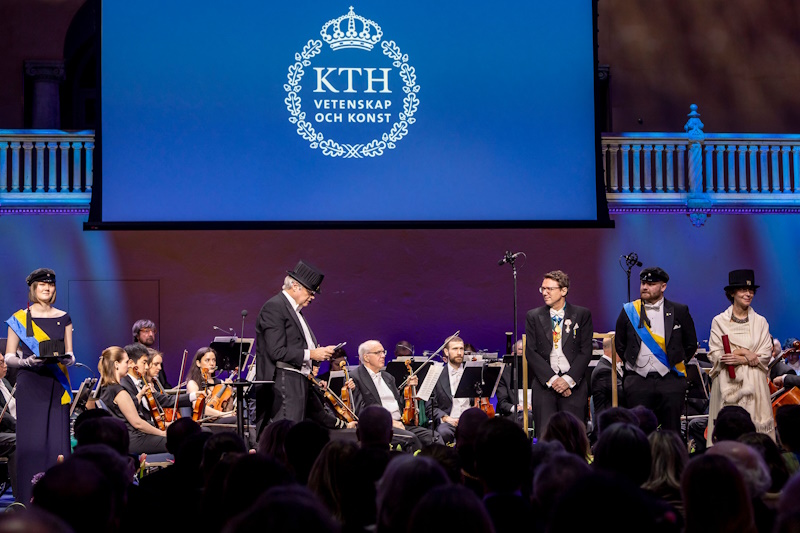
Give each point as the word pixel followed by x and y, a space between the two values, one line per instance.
pixel 698 199
pixel 46 75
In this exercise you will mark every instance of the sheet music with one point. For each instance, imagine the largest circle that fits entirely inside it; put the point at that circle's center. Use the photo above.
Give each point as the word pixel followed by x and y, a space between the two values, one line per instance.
pixel 424 391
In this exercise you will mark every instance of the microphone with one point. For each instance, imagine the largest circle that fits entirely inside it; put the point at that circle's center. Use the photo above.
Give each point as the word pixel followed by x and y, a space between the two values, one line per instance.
pixel 244 313
pixel 228 332
pixel 508 257
pixel 633 258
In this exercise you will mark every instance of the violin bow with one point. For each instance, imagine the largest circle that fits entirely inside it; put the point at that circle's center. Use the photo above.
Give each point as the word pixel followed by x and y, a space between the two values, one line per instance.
pixel 180 378
pixel 434 354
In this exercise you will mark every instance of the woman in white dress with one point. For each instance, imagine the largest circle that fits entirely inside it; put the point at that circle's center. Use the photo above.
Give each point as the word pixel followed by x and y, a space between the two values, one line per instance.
pixel 751 347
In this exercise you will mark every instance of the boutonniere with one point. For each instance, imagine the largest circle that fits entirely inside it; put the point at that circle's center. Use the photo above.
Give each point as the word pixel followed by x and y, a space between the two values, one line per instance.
pixel 668 314
pixel 567 324
pixel 575 330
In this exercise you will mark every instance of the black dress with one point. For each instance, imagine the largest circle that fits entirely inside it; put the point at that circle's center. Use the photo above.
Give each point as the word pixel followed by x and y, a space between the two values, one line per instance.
pixel 43 428
pixel 140 442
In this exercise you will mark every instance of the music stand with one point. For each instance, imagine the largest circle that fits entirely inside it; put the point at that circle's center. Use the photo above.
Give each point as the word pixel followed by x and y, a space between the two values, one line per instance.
pixel 397 367
pixel 229 350
pixel 83 394
pixel 480 380
pixel 336 380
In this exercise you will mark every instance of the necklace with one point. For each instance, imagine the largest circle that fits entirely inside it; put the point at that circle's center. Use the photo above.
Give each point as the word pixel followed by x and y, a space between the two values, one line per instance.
pixel 737 320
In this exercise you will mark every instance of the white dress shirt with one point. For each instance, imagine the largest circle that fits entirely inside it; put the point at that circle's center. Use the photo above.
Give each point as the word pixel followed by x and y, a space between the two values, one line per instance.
pixel 306 368
pixel 459 404
pixel 646 362
pixel 388 399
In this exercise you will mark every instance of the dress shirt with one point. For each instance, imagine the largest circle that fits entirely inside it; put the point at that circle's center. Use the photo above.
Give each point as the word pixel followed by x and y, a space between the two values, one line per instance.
pixel 646 362
pixel 459 404
pixel 619 364
pixel 10 401
pixel 388 399
pixel 306 368
pixel 558 361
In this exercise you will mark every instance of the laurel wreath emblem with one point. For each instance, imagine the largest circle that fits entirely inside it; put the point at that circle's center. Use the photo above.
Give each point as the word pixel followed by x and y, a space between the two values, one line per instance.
pixel 330 147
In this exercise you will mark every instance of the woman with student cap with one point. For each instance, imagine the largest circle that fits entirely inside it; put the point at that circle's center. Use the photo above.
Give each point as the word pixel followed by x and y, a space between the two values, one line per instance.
pixel 751 347
pixel 43 335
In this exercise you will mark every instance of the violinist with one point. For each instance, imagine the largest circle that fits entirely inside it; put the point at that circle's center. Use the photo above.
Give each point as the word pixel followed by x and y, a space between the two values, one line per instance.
pixel 318 408
pixel 788 370
pixel 371 385
pixel 206 359
pixel 113 367
pixel 138 377
pixel 443 408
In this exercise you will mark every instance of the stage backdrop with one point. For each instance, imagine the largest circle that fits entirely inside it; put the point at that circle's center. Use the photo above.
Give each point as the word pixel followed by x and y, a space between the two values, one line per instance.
pixel 314 111
pixel 419 285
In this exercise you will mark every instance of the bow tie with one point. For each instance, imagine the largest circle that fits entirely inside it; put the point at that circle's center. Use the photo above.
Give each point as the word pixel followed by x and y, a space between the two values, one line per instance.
pixel 556 314
pixel 653 307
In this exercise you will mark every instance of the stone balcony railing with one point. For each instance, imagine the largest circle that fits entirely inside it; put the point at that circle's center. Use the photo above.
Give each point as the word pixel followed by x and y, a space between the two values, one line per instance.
pixel 689 172
pixel 45 171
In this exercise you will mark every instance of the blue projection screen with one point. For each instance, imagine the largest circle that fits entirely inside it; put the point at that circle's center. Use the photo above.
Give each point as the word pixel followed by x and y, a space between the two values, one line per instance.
pixel 316 112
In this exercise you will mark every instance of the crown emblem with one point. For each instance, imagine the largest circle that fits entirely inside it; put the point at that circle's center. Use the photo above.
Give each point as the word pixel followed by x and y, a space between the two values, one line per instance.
pixel 369 36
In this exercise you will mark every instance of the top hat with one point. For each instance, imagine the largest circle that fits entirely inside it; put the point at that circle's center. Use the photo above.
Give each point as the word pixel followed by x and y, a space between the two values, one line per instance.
pixel 653 274
pixel 42 275
pixel 307 275
pixel 741 279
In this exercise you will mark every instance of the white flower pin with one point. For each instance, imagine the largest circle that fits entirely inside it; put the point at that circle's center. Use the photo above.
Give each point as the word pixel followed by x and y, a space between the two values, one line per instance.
pixel 567 324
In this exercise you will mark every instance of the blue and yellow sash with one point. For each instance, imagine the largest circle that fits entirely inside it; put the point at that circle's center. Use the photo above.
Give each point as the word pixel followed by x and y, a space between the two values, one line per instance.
pixel 654 342
pixel 18 324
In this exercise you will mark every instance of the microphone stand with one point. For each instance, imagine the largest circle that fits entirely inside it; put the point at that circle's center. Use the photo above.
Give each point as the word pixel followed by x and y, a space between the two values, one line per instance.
pixel 239 384
pixel 512 260
pixel 631 260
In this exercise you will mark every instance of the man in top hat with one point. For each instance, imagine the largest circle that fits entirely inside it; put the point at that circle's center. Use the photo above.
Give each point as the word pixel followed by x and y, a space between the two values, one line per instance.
pixel 286 347
pixel 558 351
pixel 655 337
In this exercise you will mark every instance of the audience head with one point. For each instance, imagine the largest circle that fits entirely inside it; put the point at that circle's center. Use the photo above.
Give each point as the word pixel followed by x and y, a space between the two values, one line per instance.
pixel 289 509
pixel 553 478
pixel 787 420
pixel 669 458
pixel 466 433
pixel 750 464
pixel 565 427
pixel 647 420
pixel 79 493
pixel 273 438
pixel 103 430
pixel 405 482
pixel 304 442
pixel 513 473
pixel 250 476
pixel 447 458
pixel 715 497
pixel 334 464
pixel 542 451
pixel 179 431
pixel 375 427
pixel 189 455
pixel 614 415
pixel 32 520
pixel 771 454
pixel 623 449
pixel 450 508
pixel 732 422
pixel 217 446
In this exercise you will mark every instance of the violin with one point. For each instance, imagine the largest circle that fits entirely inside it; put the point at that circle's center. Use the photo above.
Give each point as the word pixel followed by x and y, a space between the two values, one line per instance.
pixel 199 407
pixel 341 408
pixel 171 414
pixel 221 394
pixel 152 404
pixel 482 402
pixel 411 409
pixel 345 395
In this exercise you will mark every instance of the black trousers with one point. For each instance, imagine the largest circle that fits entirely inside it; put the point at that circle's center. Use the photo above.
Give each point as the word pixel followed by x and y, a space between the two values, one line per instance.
pixel 546 402
pixel 665 396
pixel 290 394
pixel 8 447
pixel 146 443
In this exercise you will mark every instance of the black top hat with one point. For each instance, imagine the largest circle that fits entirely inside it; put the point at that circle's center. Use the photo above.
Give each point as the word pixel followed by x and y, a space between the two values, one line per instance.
pixel 741 279
pixel 41 274
pixel 653 274
pixel 307 275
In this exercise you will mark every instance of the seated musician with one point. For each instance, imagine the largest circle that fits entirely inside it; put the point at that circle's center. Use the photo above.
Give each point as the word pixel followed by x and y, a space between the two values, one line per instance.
pixel 144 437
pixel 784 373
pixel 8 425
pixel 134 381
pixel 505 389
pixel 206 359
pixel 373 386
pixel 319 409
pixel 443 408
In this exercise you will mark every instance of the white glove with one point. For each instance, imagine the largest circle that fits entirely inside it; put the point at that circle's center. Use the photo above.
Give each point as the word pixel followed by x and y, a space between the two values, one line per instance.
pixel 68 359
pixel 26 362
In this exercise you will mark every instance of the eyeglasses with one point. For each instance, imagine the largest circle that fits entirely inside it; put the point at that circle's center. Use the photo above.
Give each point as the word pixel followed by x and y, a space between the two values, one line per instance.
pixel 379 352
pixel 309 291
pixel 542 290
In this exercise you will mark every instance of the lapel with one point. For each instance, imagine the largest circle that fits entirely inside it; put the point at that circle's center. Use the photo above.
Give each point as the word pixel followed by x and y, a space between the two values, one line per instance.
pixel 444 381
pixel 366 379
pixel 569 314
pixel 292 313
pixel 3 398
pixel 547 325
pixel 669 320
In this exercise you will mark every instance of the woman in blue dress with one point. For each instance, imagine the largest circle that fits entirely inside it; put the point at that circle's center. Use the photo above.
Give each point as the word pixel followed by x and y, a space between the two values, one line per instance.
pixel 40 345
